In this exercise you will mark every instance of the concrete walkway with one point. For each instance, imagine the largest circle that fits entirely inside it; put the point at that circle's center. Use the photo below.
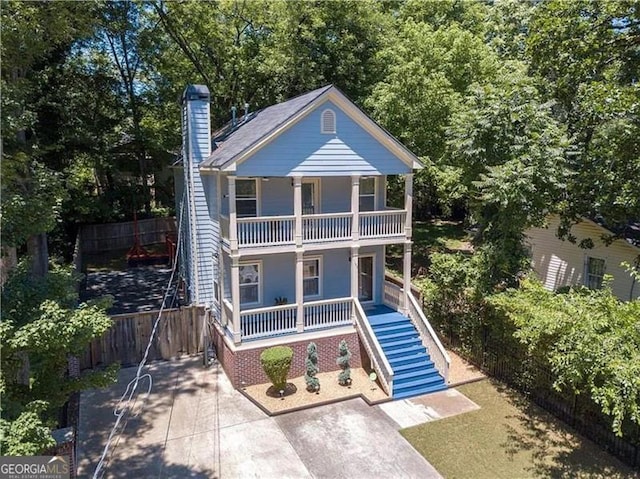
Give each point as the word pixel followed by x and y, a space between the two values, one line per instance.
pixel 194 424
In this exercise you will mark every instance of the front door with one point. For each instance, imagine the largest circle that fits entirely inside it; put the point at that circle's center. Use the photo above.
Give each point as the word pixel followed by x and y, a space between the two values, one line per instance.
pixel 365 278
pixel 310 192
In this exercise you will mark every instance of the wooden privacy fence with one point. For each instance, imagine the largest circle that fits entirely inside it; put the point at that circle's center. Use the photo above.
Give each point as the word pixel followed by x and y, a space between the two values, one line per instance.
pixel 114 236
pixel 179 333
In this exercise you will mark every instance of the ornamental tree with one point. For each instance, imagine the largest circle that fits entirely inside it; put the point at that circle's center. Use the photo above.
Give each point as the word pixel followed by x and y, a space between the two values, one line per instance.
pixel 311 363
pixel 344 378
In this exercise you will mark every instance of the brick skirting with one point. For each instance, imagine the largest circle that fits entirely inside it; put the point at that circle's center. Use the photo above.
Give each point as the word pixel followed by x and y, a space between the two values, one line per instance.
pixel 243 366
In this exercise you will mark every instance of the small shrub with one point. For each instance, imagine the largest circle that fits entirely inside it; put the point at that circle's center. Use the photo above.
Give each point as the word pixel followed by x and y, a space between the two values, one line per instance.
pixel 311 363
pixel 276 362
pixel 344 378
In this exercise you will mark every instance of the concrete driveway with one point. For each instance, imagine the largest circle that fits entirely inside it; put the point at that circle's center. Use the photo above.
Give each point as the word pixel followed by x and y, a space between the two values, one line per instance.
pixel 194 424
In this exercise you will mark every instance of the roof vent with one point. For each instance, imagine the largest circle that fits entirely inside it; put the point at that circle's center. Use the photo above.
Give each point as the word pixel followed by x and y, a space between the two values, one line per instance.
pixel 328 121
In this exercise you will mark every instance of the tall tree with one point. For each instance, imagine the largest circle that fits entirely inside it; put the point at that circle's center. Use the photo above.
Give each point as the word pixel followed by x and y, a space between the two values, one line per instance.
pixel 588 53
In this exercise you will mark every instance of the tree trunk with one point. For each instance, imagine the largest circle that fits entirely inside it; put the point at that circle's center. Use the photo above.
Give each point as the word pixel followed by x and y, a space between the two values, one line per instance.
pixel 38 250
pixel 8 261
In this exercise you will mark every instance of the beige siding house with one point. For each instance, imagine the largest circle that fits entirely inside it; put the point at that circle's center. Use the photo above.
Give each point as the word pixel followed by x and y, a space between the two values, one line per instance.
pixel 561 263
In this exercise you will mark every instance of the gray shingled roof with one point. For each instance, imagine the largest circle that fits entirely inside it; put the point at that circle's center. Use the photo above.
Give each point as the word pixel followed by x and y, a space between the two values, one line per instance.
pixel 259 125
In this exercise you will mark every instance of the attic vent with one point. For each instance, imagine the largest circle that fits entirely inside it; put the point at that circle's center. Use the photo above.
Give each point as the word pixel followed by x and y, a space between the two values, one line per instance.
pixel 328 122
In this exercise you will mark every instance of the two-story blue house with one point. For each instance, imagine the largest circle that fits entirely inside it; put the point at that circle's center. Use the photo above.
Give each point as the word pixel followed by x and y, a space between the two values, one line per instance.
pixel 285 225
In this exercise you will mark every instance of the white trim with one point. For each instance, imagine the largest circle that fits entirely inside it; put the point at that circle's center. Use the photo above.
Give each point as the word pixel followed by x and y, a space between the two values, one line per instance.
pixel 260 284
pixel 323 130
pixel 350 109
pixel 319 259
pixel 373 277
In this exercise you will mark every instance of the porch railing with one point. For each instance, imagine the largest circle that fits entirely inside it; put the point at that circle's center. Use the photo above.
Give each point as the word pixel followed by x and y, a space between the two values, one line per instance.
pixel 379 361
pixel 266 231
pixel 270 321
pixel 326 227
pixel 438 354
pixel 382 224
pixel 327 313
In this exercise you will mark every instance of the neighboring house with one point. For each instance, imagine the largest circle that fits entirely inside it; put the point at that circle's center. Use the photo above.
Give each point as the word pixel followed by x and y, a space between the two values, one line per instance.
pixel 284 235
pixel 562 263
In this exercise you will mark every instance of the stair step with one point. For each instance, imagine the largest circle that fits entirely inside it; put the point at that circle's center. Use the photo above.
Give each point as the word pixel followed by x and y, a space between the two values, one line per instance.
pixel 412 376
pixel 418 383
pixel 402 343
pixel 411 358
pixel 412 366
pixel 387 320
pixel 391 338
pixel 419 391
pixel 411 350
pixel 381 331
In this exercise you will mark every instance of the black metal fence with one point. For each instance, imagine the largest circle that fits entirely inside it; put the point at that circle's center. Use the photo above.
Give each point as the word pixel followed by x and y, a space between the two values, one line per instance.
pixel 534 379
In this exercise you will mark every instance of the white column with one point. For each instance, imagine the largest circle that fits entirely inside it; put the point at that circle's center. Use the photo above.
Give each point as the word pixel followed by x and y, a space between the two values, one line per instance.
pixel 354 272
pixel 355 207
pixel 297 209
pixel 406 276
pixel 235 298
pixel 300 291
pixel 233 225
pixel 408 203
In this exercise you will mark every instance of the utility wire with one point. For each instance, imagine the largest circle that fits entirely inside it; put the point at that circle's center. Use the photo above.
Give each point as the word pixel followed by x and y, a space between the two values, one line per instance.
pixel 124 403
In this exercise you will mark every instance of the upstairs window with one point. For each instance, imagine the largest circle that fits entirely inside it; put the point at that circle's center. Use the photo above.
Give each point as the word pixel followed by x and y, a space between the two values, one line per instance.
pixel 328 121
pixel 367 194
pixel 595 272
pixel 250 284
pixel 246 198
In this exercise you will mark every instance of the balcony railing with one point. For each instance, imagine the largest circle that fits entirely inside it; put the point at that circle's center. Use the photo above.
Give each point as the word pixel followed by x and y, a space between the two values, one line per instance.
pixel 327 313
pixel 281 230
pixel 326 227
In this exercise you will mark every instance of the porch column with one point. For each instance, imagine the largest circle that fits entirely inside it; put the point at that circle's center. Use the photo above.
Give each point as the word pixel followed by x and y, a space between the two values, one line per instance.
pixel 406 277
pixel 235 298
pixel 355 207
pixel 233 226
pixel 354 271
pixel 408 203
pixel 297 209
pixel 300 291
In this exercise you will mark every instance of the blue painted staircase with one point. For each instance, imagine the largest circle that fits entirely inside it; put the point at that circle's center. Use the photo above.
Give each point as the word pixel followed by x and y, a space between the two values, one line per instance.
pixel 413 371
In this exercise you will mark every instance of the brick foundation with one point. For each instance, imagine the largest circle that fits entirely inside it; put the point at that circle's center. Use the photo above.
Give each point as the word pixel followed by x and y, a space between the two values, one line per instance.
pixel 243 367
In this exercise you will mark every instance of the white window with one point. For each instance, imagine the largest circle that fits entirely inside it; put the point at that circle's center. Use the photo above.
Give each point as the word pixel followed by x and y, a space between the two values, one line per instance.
pixel 367 194
pixel 328 121
pixel 250 282
pixel 312 275
pixel 246 198
pixel 595 272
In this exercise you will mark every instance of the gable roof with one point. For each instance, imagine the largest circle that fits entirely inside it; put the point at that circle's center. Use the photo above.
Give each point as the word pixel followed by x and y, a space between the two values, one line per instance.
pixel 236 143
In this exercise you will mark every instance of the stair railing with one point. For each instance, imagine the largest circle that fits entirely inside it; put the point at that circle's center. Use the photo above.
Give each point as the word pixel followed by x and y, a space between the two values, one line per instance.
pixel 379 361
pixel 438 354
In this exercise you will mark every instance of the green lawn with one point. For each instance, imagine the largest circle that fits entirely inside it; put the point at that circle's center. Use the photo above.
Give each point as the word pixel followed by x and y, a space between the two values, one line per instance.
pixel 509 438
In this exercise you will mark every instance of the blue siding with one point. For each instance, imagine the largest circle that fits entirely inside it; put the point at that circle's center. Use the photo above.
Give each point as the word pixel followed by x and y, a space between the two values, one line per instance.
pixel 303 150
pixel 196 148
pixel 276 197
pixel 278 274
pixel 335 194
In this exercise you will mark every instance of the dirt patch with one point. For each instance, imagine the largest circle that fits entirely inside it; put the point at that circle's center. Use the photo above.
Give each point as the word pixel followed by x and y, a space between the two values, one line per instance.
pixel 462 371
pixel 330 391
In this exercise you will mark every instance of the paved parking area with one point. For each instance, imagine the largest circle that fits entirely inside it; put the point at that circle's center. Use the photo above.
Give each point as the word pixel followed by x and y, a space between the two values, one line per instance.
pixel 194 424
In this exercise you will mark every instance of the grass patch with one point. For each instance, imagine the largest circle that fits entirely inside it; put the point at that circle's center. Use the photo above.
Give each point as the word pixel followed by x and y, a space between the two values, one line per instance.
pixel 430 236
pixel 509 437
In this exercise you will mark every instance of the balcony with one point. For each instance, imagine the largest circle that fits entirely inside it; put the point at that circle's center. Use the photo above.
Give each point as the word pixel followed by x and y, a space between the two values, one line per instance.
pixel 280 231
